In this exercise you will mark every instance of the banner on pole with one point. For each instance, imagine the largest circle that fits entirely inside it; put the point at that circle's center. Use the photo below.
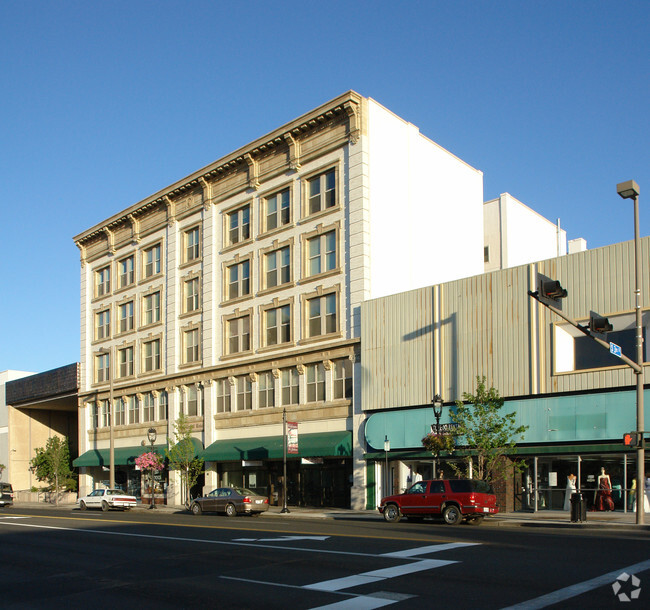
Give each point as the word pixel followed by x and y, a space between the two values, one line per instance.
pixel 292 437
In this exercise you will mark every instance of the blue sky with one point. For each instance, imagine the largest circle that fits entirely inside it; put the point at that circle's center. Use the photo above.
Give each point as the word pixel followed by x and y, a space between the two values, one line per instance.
pixel 105 103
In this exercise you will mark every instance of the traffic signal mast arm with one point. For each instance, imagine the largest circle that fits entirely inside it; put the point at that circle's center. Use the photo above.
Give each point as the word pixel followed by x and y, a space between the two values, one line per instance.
pixel 585 330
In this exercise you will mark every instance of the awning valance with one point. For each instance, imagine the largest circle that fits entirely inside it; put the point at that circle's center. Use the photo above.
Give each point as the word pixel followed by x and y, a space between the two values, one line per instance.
pixel 123 455
pixel 318 444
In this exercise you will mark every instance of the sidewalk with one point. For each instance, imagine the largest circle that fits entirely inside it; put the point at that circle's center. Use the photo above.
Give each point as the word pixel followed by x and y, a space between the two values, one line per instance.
pixel 546 518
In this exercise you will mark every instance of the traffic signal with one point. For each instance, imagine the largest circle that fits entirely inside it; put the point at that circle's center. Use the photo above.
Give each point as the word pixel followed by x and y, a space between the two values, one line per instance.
pixel 630 439
pixel 549 291
pixel 598 323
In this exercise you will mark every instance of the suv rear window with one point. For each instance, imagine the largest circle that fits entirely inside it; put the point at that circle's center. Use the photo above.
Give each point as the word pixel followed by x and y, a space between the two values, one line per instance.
pixel 470 485
pixel 5 487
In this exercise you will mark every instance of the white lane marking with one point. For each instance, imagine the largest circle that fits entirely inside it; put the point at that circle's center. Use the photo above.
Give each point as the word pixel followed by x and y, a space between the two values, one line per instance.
pixel 434 548
pixel 368 577
pixel 14 517
pixel 578 589
pixel 280 539
pixel 362 602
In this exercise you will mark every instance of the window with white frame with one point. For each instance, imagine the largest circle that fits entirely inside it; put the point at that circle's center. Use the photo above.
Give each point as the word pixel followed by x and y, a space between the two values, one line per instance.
pixel 321 192
pixel 127 271
pixel 239 334
pixel 277 210
pixel 192 400
pixel 134 414
pixel 343 378
pixel 103 324
pixel 162 406
pixel 125 360
pixel 151 305
pixel 321 253
pixel 290 383
pixel 102 281
pixel 277 267
pixel 277 324
pixel 94 415
pixel 120 412
pixel 192 295
pixel 106 413
pixel 266 389
pixel 244 393
pixel 192 244
pixel 102 367
pixel 239 284
pixel 148 407
pixel 239 225
pixel 151 355
pixel 321 313
pixel 152 261
pixel 126 316
pixel 192 345
pixel 223 396
pixel 315 382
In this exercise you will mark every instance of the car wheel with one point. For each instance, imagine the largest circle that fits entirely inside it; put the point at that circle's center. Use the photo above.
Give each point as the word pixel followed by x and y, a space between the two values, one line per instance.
pixel 196 509
pixel 82 505
pixel 104 505
pixel 392 514
pixel 452 515
pixel 475 520
pixel 231 511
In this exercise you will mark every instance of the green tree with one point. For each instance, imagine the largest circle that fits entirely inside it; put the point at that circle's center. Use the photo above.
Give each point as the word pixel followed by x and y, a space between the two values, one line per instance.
pixel 181 456
pixel 490 434
pixel 52 464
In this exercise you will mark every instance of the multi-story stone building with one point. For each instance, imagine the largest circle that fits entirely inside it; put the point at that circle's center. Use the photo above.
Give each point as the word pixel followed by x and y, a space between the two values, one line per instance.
pixel 234 294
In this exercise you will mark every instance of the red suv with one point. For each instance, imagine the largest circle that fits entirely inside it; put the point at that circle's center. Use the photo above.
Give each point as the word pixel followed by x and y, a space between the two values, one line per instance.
pixel 455 499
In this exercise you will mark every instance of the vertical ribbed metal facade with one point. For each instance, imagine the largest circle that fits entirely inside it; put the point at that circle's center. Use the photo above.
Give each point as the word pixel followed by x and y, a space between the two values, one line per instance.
pixel 488 325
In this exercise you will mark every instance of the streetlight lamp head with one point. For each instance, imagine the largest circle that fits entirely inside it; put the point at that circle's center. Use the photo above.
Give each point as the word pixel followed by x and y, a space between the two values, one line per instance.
pixel 151 435
pixel 628 189
pixel 386 444
pixel 437 405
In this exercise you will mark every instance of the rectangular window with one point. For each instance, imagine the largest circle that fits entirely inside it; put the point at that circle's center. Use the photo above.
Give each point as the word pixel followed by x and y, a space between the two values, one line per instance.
pixel 148 407
pixel 278 210
pixel 239 280
pixel 239 335
pixel 322 253
pixel 266 389
pixel 322 192
pixel 103 324
pixel 120 410
pixel 192 396
pixel 126 317
pixel 278 267
pixel 244 393
pixel 315 382
pixel 239 225
pixel 125 359
pixel 102 368
pixel 192 245
pixel 223 396
pixel 278 325
pixel 106 413
pixel 192 300
pixel 102 281
pixel 152 308
pixel 162 406
pixel 322 315
pixel 192 351
pixel 151 355
pixel 94 415
pixel 343 378
pixel 290 388
pixel 152 261
pixel 127 271
pixel 134 415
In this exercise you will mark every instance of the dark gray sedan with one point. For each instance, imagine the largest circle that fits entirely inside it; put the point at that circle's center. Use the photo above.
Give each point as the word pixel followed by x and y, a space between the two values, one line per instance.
pixel 232 501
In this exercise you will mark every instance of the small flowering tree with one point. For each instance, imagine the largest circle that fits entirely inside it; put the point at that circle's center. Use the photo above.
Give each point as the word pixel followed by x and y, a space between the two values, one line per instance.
pixel 153 462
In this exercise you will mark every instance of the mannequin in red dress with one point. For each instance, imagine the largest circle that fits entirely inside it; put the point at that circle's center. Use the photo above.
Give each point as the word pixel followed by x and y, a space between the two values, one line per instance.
pixel 604 494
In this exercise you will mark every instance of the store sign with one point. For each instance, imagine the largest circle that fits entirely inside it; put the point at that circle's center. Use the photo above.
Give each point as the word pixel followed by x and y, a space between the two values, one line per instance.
pixel 311 461
pixel 251 463
pixel 292 437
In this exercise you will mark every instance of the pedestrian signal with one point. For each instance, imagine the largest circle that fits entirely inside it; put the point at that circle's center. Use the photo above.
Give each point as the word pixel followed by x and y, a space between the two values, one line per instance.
pixel 630 439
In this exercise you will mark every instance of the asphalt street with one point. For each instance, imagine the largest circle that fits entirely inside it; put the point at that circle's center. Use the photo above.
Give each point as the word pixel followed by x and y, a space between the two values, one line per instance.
pixel 59 558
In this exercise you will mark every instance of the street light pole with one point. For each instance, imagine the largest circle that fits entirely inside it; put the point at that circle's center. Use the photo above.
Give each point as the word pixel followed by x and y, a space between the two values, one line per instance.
pixel 151 435
pixel 386 450
pixel 630 190
pixel 111 421
pixel 437 413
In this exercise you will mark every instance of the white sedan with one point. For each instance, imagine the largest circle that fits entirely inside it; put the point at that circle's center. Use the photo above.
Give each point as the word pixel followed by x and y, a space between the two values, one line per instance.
pixel 107 499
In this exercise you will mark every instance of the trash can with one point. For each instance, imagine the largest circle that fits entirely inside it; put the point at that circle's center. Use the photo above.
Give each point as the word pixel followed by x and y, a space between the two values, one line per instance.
pixel 578 507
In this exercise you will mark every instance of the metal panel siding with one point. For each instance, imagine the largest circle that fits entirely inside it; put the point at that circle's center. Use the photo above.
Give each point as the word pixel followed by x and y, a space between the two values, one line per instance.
pixel 397 351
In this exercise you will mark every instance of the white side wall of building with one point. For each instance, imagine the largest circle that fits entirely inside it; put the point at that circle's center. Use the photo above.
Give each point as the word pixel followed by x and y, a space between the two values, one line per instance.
pixel 6 376
pixel 425 208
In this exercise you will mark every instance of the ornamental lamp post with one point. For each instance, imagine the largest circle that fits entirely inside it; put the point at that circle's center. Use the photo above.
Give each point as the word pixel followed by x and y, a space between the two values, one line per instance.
pixel 630 190
pixel 437 411
pixel 151 435
pixel 386 450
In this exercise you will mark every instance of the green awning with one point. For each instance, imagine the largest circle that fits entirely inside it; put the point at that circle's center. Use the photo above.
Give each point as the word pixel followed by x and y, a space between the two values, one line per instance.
pixel 318 444
pixel 123 456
